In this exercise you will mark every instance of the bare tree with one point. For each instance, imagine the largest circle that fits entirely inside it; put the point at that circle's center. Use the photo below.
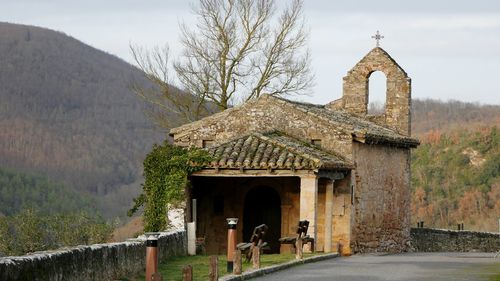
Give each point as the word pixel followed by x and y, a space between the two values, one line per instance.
pixel 165 99
pixel 238 50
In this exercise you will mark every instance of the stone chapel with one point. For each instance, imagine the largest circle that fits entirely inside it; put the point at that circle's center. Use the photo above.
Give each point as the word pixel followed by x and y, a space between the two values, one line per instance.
pixel 280 161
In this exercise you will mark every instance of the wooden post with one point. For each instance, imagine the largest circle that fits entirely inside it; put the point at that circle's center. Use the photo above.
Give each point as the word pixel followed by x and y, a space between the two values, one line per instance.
pixel 298 249
pixel 256 257
pixel 213 274
pixel 237 262
pixel 187 273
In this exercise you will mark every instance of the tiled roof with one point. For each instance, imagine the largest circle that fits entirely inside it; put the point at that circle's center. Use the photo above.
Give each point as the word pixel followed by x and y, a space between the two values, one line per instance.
pixel 273 151
pixel 359 127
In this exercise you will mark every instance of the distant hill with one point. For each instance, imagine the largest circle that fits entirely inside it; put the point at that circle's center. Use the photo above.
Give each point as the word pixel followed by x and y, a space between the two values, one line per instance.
pixel 66 111
pixel 434 115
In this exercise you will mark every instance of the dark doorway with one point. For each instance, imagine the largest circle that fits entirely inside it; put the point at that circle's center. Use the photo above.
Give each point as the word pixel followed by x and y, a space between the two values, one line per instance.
pixel 263 205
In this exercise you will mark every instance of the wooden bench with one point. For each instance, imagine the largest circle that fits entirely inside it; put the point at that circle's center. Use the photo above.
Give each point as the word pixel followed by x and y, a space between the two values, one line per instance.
pixel 293 240
pixel 301 238
pixel 256 240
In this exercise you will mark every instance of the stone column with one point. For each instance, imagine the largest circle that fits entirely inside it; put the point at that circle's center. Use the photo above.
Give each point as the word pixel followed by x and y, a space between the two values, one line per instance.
pixel 328 216
pixel 308 205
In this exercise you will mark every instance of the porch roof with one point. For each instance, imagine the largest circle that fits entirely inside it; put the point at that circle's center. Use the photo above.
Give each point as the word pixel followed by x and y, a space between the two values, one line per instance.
pixel 273 150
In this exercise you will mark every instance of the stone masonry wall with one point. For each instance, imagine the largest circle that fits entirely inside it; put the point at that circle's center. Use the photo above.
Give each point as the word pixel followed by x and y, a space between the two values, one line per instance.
pixel 94 262
pixel 443 240
pixel 381 199
pixel 264 114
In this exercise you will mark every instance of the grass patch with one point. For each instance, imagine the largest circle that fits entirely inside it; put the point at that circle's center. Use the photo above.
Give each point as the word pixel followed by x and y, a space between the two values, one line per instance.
pixel 490 272
pixel 493 271
pixel 172 269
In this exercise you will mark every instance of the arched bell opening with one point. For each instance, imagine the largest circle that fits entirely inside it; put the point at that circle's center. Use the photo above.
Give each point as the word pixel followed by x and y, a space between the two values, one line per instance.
pixel 377 93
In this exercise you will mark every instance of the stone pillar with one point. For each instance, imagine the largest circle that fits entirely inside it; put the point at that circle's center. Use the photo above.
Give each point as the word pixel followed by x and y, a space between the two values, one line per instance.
pixel 328 216
pixel 308 205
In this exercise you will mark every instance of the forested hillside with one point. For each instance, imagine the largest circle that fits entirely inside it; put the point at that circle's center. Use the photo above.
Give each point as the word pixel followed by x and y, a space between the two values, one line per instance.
pixel 21 191
pixel 66 111
pixel 456 179
pixel 456 169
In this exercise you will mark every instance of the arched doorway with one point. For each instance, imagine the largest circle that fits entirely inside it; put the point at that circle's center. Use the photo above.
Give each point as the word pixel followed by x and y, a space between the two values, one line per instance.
pixel 263 205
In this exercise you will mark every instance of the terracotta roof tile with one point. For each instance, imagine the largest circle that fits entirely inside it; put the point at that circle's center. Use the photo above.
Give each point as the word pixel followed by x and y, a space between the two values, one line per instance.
pixel 273 151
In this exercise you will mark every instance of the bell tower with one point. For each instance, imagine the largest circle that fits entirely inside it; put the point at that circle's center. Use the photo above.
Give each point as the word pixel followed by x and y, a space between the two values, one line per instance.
pixel 398 91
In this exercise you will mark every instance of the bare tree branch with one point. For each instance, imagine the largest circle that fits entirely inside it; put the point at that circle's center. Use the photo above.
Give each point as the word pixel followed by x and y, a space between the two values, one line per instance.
pixel 237 51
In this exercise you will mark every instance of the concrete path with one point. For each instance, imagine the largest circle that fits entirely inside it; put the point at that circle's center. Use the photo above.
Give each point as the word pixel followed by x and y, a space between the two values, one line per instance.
pixel 407 266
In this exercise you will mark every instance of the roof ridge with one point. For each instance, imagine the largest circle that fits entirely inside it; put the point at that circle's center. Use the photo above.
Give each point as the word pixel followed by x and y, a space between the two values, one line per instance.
pixel 351 127
pixel 341 112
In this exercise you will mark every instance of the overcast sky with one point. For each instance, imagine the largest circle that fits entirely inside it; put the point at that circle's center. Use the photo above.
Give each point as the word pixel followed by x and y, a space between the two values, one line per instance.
pixel 450 49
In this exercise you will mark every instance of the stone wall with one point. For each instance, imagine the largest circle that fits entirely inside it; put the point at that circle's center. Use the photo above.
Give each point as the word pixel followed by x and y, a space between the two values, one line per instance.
pixel 381 199
pixel 95 262
pixel 266 114
pixel 442 240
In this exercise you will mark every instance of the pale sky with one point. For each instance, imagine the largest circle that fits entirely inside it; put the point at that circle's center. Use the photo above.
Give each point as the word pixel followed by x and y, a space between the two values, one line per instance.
pixel 450 49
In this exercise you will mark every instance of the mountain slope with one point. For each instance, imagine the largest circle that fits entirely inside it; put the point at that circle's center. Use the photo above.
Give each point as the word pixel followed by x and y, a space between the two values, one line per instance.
pixel 66 111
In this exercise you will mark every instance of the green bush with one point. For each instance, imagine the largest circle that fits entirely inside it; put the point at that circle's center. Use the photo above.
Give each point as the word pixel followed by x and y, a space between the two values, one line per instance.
pixel 31 230
pixel 166 171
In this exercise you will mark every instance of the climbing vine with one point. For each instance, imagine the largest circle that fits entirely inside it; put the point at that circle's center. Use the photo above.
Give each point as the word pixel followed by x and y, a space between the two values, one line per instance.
pixel 166 171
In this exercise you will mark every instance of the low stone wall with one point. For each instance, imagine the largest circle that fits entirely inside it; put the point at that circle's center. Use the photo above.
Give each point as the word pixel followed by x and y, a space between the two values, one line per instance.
pixel 95 262
pixel 442 240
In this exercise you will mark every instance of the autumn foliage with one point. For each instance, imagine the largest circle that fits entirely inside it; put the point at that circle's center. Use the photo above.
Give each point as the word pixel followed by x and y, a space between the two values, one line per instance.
pixel 456 179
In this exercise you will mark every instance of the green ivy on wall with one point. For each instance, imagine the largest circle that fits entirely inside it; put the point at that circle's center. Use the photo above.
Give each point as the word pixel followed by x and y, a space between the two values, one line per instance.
pixel 166 171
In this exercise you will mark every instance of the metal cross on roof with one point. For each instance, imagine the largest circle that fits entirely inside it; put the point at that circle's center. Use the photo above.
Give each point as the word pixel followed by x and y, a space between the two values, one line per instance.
pixel 377 38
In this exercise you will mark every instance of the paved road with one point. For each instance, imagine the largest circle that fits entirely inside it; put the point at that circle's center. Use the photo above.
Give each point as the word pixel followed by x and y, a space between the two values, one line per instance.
pixel 407 266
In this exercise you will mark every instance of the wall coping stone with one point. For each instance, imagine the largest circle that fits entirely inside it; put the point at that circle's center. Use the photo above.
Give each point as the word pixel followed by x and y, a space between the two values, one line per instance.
pixel 106 261
pixel 450 240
